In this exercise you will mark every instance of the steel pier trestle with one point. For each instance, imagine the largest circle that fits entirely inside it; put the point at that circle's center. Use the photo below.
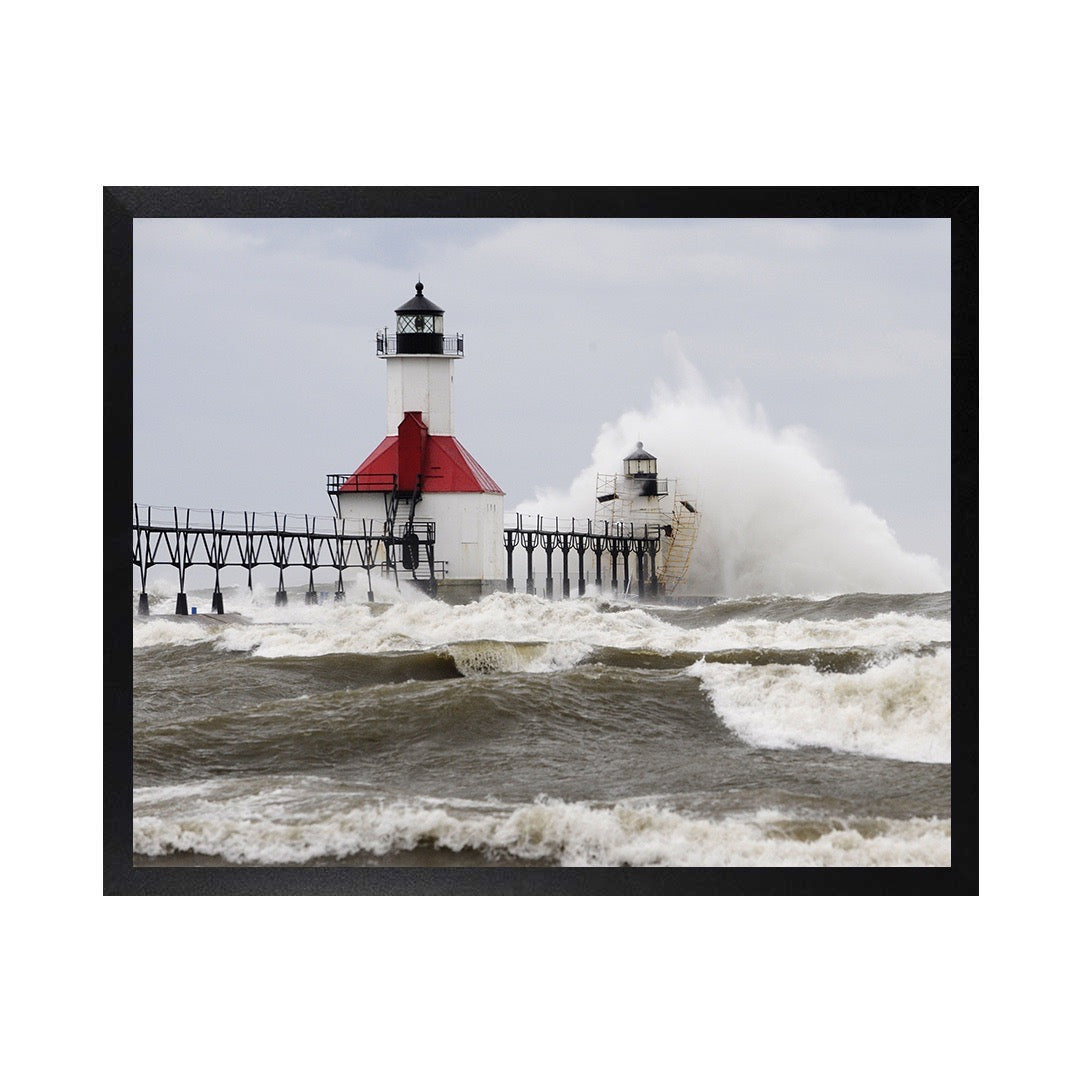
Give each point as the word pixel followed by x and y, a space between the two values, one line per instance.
pixel 634 546
pixel 183 538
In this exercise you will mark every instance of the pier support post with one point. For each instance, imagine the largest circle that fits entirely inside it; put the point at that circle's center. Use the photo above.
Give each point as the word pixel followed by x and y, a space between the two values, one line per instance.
pixel 217 603
pixel 548 540
pixel 530 581
pixel 281 598
pixel 181 603
pixel 144 604
pixel 580 544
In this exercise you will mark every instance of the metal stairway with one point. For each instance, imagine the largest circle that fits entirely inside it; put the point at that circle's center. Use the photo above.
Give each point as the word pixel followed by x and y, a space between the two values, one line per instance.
pixel 415 538
pixel 679 546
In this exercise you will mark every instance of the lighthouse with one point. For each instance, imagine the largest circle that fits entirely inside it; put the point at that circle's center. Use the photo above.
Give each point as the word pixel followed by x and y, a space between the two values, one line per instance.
pixel 639 497
pixel 441 512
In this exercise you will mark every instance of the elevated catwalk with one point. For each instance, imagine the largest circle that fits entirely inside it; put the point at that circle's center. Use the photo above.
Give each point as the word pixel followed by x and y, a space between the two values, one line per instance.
pixel 402 550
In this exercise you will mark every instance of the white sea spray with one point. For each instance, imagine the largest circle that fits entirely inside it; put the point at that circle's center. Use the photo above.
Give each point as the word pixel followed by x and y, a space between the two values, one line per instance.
pixel 774 518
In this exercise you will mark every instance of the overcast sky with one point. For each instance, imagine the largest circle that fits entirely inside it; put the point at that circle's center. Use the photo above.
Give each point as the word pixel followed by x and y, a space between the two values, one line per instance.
pixel 255 371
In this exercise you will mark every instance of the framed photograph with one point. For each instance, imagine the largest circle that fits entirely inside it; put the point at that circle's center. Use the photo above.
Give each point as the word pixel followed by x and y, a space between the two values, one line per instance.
pixel 546 540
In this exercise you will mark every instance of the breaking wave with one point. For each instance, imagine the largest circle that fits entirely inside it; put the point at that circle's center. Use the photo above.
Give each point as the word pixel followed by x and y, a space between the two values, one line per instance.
pixel 898 709
pixel 284 825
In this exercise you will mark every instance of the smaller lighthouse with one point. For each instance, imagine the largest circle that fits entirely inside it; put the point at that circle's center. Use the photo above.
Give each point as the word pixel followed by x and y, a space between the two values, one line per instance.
pixel 637 497
pixel 442 513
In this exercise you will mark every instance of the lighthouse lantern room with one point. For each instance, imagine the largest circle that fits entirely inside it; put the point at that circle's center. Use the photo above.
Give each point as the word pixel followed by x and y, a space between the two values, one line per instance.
pixel 639 466
pixel 420 482
pixel 634 496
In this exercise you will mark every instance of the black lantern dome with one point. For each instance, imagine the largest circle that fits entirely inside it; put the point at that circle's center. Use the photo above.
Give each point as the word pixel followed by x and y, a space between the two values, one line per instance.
pixel 419 325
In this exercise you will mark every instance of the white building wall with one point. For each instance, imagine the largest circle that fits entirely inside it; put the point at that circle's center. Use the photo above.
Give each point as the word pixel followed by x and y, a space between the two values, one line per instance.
pixel 468 533
pixel 360 506
pixel 423 384
pixel 468 529
pixel 630 507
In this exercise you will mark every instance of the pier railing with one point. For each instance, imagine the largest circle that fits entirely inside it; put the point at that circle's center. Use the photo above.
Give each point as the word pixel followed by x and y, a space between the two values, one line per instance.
pixel 339 483
pixel 254 522
pixel 579 526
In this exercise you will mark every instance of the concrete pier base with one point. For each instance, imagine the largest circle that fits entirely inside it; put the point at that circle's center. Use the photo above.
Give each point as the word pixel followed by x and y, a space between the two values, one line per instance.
pixel 181 604
pixel 144 604
pixel 217 603
pixel 281 598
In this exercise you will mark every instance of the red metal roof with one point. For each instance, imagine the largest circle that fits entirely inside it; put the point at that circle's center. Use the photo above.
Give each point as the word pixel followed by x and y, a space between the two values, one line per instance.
pixel 447 466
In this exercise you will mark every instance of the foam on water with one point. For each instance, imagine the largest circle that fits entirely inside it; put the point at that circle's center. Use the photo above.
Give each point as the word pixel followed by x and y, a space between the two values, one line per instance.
pixel 146 633
pixel 283 824
pixel 568 628
pixel 899 709
pixel 774 518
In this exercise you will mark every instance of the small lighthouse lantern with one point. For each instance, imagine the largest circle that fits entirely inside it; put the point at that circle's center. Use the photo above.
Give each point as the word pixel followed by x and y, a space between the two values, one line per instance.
pixel 419 325
pixel 639 466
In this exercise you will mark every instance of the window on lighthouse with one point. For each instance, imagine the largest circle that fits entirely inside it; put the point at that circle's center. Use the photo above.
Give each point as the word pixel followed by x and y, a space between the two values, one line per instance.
pixel 420 324
pixel 640 463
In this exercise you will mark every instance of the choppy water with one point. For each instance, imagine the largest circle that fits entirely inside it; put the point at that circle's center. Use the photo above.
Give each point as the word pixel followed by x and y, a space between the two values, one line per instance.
pixel 776 731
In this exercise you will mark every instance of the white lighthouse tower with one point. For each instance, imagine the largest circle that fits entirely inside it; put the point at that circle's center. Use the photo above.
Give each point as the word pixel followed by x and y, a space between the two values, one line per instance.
pixel 442 511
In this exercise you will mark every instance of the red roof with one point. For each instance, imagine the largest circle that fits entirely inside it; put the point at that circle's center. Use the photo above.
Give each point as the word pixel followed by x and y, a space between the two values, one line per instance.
pixel 446 466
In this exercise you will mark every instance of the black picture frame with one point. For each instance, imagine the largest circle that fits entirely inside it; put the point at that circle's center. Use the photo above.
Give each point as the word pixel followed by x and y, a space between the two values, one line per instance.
pixel 122 205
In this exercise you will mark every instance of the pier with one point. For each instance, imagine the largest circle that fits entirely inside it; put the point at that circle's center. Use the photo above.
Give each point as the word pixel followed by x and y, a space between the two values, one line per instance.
pixel 183 538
